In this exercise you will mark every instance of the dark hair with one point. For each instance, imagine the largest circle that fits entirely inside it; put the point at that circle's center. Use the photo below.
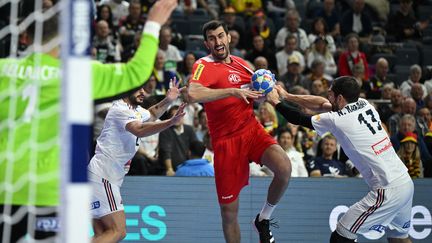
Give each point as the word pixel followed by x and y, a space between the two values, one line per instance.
pixel 172 110
pixel 319 19
pixel 110 15
pixel 197 149
pixel 346 86
pixel 212 25
pixel 283 130
pixel 50 28
pixel 351 35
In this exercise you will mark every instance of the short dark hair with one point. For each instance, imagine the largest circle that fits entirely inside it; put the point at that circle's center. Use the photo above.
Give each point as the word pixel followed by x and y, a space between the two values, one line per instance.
pixel 172 110
pixel 197 149
pixel 50 28
pixel 212 25
pixel 346 86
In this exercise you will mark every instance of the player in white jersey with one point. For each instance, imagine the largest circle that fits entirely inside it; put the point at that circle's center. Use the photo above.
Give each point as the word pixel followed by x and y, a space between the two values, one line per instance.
pixel 357 126
pixel 125 123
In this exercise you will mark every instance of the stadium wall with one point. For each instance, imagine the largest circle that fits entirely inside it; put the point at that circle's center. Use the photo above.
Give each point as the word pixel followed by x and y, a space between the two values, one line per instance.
pixel 185 210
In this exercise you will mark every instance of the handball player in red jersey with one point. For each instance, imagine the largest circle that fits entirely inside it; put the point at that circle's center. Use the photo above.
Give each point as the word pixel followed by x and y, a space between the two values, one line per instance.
pixel 221 81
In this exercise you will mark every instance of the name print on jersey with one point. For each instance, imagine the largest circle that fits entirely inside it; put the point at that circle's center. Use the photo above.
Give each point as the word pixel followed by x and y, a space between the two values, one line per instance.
pixel 352 107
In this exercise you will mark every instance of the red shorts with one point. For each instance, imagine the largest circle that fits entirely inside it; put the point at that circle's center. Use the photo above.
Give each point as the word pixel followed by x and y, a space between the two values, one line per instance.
pixel 231 160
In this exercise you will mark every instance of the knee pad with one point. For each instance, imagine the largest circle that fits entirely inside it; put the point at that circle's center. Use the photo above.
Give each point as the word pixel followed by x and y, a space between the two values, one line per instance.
pixel 337 238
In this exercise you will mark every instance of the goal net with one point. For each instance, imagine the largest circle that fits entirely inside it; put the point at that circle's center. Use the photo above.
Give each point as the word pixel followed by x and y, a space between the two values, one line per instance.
pixel 38 178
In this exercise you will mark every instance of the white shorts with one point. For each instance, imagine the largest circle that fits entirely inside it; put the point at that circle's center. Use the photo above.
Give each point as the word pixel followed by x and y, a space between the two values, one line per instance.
pixel 106 197
pixel 383 210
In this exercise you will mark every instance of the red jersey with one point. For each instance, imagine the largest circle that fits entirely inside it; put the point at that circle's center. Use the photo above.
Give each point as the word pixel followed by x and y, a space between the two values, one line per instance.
pixel 229 115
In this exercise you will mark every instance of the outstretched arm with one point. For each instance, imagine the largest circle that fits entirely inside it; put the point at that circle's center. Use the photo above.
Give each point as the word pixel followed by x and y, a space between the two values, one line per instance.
pixel 292 114
pixel 311 102
pixel 144 129
pixel 201 94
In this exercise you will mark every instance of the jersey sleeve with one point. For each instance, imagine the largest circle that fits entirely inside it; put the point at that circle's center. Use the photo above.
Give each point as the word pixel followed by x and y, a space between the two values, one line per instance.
pixel 113 79
pixel 323 123
pixel 201 73
pixel 145 114
pixel 123 117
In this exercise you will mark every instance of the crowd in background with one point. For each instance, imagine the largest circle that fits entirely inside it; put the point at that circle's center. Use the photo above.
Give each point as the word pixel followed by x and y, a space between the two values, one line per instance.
pixel 386 45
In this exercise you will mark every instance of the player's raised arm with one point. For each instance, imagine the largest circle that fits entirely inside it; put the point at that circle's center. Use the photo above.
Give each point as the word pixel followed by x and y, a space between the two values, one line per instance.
pixel 173 93
pixel 201 94
pixel 144 129
pixel 113 79
pixel 312 102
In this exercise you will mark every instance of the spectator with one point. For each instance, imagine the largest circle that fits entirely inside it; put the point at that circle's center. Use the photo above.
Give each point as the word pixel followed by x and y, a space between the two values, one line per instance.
pixel 326 165
pixel 355 20
pixel 104 13
pixel 425 114
pixel 162 76
pixel 331 17
pixel 290 49
pixel 104 47
pixel 119 9
pixel 279 6
pixel 415 76
pixel 293 76
pixel 260 49
pixel 286 141
pixel 186 7
pixel 262 27
pixel 247 7
pixel 417 94
pixel 268 118
pixel 202 127
pixel 261 63
pixel 408 107
pixel 408 125
pixel 208 154
pixel 292 23
pixel 230 19
pixel 317 88
pixel 213 7
pixel 185 69
pixel 195 165
pixel 235 40
pixel 174 144
pixel 172 53
pixel 352 56
pixel 321 51
pixel 403 25
pixel 409 153
pixel 375 85
pixel 131 25
pixel 320 29
pixel 317 73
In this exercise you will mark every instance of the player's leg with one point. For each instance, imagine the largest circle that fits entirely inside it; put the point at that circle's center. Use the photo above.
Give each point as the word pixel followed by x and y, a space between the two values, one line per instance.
pixel 230 225
pixel 114 228
pixel 278 162
pixel 401 222
pixel 342 235
pixel 268 153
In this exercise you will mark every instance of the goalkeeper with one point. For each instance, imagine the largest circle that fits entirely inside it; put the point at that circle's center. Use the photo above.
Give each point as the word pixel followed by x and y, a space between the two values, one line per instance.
pixel 33 84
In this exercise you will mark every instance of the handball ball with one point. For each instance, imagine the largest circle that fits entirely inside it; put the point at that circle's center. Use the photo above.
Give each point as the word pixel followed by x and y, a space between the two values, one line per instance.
pixel 263 81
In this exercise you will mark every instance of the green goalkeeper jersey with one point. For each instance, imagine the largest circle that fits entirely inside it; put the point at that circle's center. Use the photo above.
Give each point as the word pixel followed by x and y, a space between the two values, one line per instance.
pixel 30 118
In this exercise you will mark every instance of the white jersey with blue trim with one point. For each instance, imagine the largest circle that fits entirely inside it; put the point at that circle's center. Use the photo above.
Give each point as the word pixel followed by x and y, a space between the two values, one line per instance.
pixel 116 146
pixel 357 127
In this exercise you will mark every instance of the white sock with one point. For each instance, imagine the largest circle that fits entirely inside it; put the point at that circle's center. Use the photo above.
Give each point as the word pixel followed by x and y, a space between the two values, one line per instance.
pixel 266 211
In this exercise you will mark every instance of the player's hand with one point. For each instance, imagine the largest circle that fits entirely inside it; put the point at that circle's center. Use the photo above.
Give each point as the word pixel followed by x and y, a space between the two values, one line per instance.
pixel 161 11
pixel 174 92
pixel 273 97
pixel 281 91
pixel 178 115
pixel 246 94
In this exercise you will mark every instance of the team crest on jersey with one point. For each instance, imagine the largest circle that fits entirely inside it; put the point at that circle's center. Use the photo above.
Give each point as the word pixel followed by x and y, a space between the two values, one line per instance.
pixel 198 71
pixel 234 78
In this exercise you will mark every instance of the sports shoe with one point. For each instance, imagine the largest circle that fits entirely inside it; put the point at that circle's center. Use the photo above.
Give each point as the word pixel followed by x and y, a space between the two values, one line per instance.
pixel 263 229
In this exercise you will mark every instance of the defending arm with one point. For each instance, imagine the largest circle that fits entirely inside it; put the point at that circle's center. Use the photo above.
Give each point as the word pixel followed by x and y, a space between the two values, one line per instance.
pixel 294 115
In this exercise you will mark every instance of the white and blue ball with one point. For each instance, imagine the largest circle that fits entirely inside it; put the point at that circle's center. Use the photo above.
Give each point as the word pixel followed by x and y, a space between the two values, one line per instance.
pixel 263 81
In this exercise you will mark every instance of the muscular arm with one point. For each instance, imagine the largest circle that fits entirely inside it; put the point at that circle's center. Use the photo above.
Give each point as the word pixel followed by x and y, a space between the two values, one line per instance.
pixel 144 129
pixel 157 110
pixel 294 115
pixel 311 102
pixel 201 94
